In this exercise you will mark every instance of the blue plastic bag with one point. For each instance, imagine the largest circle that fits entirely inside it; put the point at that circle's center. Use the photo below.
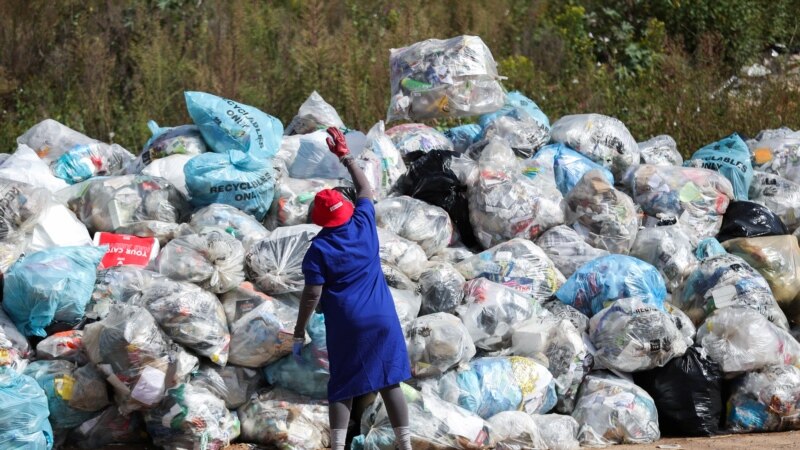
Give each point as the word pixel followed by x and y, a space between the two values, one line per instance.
pixel 91 160
pixel 243 180
pixel 520 122
pixel 516 104
pixel 309 378
pixel 50 285
pixel 730 157
pixel 56 379
pixel 229 125
pixel 611 278
pixel 569 166
pixel 463 136
pixel 24 412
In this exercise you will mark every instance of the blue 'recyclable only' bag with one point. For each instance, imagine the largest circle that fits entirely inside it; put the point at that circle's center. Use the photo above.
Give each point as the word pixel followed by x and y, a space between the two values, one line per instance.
pixel 569 166
pixel 242 180
pixel 23 417
pixel 610 278
pixel 230 125
pixel 730 157
pixel 51 285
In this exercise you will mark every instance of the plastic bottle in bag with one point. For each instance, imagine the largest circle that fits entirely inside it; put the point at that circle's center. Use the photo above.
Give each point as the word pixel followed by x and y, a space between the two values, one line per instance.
pixel 314 114
pixel 567 249
pixel 670 250
pixel 441 287
pixel 765 400
pixel 285 420
pixel 520 122
pixel 437 343
pixel 274 264
pixel 427 225
pixel 515 430
pixel 212 259
pixel 661 150
pixel 89 160
pixel 23 418
pixel 780 195
pixel 730 157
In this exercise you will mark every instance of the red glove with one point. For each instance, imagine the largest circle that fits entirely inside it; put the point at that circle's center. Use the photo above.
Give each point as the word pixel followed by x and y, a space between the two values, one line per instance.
pixel 337 144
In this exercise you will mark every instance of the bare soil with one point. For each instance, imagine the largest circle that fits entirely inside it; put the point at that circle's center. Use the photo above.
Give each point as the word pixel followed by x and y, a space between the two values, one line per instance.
pixel 780 441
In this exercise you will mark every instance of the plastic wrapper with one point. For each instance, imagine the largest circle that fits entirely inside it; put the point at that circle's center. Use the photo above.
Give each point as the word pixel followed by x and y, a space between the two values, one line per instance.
pixel 140 362
pixel 66 345
pixel 284 420
pixel 437 343
pixel 780 195
pixel 118 284
pixel 412 139
pixel 558 432
pixel 212 259
pixel 57 379
pixel 742 340
pixel 427 225
pixel 402 253
pixel 243 180
pixel 463 136
pixel 21 206
pixel 314 114
pixel 723 280
pixel 293 200
pixel 274 264
pixel 229 125
pixel 235 222
pixel 567 249
pixel 778 152
pixel 110 427
pixel 190 316
pixel 612 410
pixel 605 140
pixel 443 78
pixel 25 166
pixel 315 160
pixel 191 417
pixel 441 287
pixel 51 285
pixel 578 319
pixel 520 122
pixel 82 162
pixel 688 394
pixel 669 249
pixel 310 375
pixel 515 430
pixel 235 385
pixel 697 197
pixel 558 345
pixel 505 204
pixel 392 165
pixel 434 424
pixel 493 385
pixel 51 139
pixel 777 259
pixel 748 219
pixel 611 278
pixel 492 312
pixel 661 150
pixel 170 168
pixel 406 304
pixel 606 217
pixel 766 400
pixel 111 203
pixel 731 158
pixel 568 165
pixel 432 178
pixel 57 226
pixel 518 264
pixel 23 418
pixel 631 336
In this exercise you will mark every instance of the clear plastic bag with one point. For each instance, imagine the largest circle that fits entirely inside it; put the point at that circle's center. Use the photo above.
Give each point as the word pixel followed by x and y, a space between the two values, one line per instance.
pixel 558 345
pixel 23 418
pixel 778 152
pixel 697 197
pixel 212 259
pixel 169 141
pixel 568 166
pixel 285 420
pixel 766 400
pixel 51 139
pixel 611 278
pixel 606 217
pixel 14 347
pixel 235 385
pixel 392 165
pixel 731 158
pixel 670 250
pixel 406 255
pixel 274 264
pixel 406 304
pixel 293 199
pixel 66 345
pixel 139 360
pixel 262 329
pixel 605 140
pixel 118 284
pixel 437 78
pixel 515 430
pixel 315 160
pixel 519 264
pixel 780 195
pixel 520 122
pixel 441 287
pixel 163 231
pixel 310 376
pixel 661 150
pixel 110 427
pixel 452 255
pixel 742 340
pixel 51 285
pixel 82 162
pixel 191 417
pixel 631 336
pixel 111 203
pixel 505 204
pixel 558 432
pixel 567 249
pixel 427 225
pixel 59 383
pixel 170 168
pixel 412 139
pixel 314 114
pixel 241 225
pixel 21 206
pixel 492 312
pixel 578 319
pixel 25 166
pixel 437 343
pixel 612 410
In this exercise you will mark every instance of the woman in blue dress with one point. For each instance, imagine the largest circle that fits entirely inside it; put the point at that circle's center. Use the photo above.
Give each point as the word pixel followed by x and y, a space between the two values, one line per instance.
pixel 342 269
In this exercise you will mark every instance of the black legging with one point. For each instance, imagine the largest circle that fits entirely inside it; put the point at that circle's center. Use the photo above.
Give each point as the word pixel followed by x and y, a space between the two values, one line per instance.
pixel 393 399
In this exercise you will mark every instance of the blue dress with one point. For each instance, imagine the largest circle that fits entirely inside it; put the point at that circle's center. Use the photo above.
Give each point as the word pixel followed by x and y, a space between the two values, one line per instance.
pixel 366 345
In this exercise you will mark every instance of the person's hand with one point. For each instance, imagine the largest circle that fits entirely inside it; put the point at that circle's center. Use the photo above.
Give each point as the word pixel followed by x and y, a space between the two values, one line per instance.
pixel 337 143
pixel 297 347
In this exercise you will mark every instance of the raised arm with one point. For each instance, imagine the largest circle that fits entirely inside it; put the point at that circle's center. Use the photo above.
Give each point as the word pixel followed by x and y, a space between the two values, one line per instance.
pixel 338 147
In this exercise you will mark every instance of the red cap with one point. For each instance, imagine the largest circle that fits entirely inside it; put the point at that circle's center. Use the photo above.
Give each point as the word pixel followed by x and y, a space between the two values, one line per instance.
pixel 331 209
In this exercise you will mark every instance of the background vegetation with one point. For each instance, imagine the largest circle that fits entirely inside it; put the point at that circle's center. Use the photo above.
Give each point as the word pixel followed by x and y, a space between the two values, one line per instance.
pixel 105 67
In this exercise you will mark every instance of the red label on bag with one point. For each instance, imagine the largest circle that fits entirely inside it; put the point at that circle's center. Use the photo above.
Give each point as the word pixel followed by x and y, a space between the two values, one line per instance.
pixel 126 250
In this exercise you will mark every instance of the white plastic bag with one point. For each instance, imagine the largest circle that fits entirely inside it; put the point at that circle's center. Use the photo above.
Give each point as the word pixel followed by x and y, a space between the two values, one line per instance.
pixel 314 113
pixel 427 225
pixel 25 166
pixel 605 140
pixel 170 169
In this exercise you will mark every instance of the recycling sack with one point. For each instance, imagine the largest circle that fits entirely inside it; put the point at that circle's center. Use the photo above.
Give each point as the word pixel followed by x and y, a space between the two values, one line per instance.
pixel 427 225
pixel 558 432
pixel 603 139
pixel 51 139
pixel 14 347
pixel 515 430
pixel 437 343
pixel 23 418
pixel 670 250
pixel 777 152
pixel 392 165
pixel 21 206
pixel 274 264
pixel 569 166
pixel 25 166
pixel 520 122
pixel 401 253
pixel 118 284
pixel 463 136
pixel 661 150
pixel 212 259
pixel 749 219
pixel 57 379
pixel 567 249
pixel 233 384
pixel 308 377
pixel 233 220
pixel 729 156
pixel 168 141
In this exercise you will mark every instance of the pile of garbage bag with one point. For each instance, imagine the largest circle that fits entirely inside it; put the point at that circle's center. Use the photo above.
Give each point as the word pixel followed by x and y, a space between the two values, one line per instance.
pixel 284 420
pixel 274 264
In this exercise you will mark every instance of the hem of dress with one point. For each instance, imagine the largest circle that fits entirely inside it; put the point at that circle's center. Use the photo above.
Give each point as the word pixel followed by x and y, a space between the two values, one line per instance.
pixel 368 391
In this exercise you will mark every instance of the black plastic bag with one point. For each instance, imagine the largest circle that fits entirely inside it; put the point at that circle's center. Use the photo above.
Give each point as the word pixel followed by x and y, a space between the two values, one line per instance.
pixel 429 178
pixel 687 393
pixel 748 219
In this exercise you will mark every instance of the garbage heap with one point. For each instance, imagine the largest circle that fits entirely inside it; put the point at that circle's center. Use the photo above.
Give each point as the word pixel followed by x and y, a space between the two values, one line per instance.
pixel 560 285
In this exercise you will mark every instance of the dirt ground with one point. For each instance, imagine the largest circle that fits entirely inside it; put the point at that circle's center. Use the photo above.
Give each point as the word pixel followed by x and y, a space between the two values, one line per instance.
pixel 787 440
